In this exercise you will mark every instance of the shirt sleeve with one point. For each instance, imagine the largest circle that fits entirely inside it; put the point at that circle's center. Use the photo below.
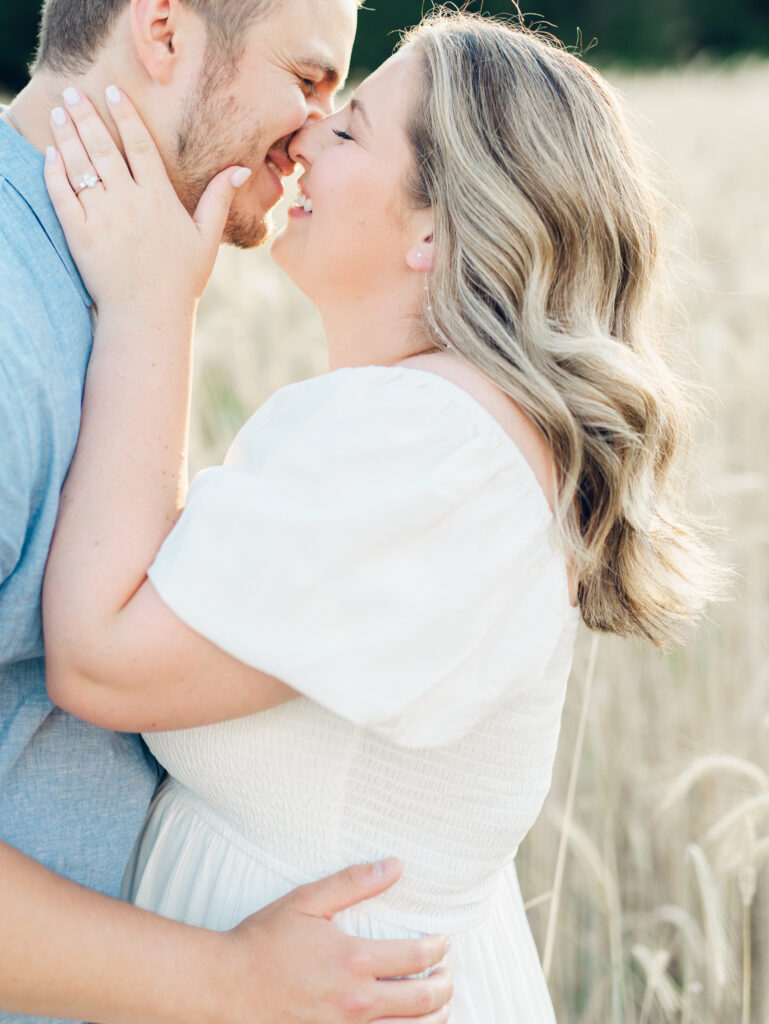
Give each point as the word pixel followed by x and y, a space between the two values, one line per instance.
pixel 22 460
pixel 377 546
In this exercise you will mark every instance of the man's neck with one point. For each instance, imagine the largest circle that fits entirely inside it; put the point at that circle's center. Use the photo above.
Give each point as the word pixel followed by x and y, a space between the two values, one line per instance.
pixel 31 109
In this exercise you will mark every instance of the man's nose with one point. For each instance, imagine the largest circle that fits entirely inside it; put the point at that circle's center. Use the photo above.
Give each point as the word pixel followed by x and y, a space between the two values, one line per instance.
pixel 305 145
pixel 321 105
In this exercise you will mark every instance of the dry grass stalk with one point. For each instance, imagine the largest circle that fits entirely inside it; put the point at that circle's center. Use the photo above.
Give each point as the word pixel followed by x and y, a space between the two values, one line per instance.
pixel 748 809
pixel 747 886
pixel 547 957
pixel 713 765
pixel 715 924
pixel 659 986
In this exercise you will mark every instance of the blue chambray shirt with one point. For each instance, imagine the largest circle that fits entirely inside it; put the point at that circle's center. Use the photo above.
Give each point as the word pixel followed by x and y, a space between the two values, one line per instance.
pixel 72 796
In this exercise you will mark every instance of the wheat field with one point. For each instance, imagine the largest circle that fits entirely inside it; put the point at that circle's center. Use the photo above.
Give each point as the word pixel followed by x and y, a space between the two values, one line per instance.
pixel 661 905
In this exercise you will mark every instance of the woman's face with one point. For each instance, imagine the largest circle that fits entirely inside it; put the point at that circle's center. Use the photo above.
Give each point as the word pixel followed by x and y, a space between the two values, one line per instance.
pixel 351 227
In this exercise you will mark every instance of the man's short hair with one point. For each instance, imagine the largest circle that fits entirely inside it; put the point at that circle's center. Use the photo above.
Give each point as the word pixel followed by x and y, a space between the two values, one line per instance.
pixel 73 31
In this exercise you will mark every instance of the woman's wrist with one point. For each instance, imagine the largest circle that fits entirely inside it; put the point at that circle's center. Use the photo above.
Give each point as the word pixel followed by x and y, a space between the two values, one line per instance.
pixel 147 305
pixel 145 318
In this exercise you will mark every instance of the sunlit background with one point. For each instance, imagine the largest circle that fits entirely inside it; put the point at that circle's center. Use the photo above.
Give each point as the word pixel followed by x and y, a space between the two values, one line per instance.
pixel 653 32
pixel 660 911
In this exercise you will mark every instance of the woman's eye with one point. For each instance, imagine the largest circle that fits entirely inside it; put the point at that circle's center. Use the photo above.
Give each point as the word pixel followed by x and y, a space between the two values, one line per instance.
pixel 342 135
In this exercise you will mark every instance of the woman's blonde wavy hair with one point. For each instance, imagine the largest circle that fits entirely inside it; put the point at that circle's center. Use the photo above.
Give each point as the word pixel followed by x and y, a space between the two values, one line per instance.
pixel 546 257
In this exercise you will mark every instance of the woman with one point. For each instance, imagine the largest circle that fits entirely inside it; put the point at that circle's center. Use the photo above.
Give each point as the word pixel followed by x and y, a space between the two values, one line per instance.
pixel 356 639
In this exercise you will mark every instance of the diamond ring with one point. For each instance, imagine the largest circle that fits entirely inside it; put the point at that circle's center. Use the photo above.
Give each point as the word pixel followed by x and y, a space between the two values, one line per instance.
pixel 87 181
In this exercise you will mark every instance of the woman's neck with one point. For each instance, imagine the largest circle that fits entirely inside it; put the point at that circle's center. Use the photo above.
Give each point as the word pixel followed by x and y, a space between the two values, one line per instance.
pixel 378 330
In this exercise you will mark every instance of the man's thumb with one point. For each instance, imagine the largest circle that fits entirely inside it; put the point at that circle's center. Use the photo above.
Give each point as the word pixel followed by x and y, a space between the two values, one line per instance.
pixel 214 206
pixel 337 892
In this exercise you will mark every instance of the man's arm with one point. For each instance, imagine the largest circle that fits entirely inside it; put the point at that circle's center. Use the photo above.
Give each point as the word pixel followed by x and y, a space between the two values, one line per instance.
pixel 66 951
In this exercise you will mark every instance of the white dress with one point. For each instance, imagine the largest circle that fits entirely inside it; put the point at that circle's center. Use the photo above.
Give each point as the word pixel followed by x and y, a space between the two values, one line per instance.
pixel 377 541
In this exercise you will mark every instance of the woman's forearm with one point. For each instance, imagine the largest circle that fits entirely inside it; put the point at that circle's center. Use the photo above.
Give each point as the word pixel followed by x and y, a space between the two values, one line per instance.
pixel 115 654
pixel 146 262
pixel 126 485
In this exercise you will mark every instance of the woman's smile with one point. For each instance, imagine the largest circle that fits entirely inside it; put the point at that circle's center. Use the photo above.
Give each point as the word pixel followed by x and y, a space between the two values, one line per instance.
pixel 302 205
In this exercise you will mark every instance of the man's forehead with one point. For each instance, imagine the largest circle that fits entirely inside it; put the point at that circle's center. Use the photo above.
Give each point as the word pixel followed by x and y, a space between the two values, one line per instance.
pixel 322 34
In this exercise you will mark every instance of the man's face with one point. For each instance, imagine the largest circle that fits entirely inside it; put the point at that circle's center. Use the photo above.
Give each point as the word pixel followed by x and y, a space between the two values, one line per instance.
pixel 293 62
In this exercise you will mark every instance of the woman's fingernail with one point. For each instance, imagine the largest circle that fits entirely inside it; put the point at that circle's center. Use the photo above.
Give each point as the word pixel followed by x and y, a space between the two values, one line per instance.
pixel 385 867
pixel 113 94
pixel 240 177
pixel 59 116
pixel 71 96
pixel 50 154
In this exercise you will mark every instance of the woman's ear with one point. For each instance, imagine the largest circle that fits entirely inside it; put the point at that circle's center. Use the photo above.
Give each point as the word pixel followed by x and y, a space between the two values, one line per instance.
pixel 420 256
pixel 158 27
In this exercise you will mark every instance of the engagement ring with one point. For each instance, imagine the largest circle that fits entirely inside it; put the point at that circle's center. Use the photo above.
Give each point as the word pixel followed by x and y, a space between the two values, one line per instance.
pixel 88 181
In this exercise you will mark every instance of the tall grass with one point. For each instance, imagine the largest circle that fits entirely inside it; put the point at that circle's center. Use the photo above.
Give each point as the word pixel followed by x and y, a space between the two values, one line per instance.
pixel 662 882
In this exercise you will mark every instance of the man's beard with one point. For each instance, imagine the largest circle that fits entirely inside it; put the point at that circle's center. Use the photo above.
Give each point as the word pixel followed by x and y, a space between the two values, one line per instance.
pixel 209 139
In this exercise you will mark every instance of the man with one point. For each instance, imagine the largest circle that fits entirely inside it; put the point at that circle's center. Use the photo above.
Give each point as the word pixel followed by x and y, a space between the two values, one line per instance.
pixel 219 82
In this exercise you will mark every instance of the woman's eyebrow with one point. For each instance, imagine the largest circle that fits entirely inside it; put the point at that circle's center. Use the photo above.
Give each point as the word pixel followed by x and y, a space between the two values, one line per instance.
pixel 357 107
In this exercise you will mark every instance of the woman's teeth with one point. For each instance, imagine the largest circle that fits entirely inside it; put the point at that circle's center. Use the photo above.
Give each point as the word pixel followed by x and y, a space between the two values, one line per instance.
pixel 303 203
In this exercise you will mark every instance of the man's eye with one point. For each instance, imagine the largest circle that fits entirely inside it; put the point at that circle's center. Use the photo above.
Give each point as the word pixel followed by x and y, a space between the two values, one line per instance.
pixel 310 86
pixel 342 135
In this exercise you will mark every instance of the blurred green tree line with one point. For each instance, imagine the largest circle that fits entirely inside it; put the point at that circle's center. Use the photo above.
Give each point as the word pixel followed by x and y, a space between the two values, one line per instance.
pixel 631 31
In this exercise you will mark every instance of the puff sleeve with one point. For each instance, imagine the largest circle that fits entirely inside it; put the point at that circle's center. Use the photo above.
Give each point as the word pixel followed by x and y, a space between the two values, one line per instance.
pixel 378 543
